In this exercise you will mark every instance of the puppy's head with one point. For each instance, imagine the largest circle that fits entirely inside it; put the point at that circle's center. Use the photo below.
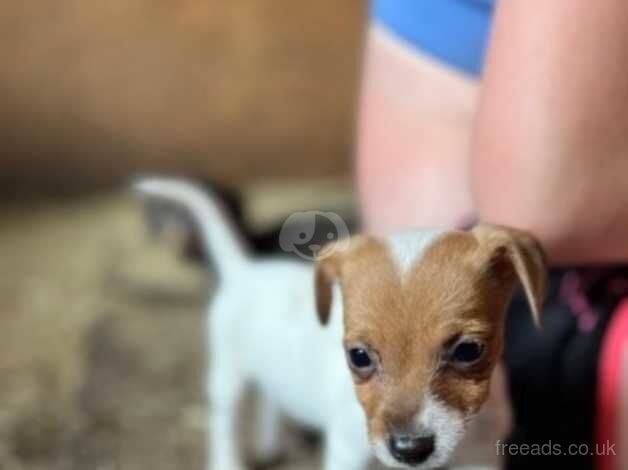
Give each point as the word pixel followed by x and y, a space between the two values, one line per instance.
pixel 423 329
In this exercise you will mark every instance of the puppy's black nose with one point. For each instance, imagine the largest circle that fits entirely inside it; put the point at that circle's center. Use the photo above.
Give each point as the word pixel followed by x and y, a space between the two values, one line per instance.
pixel 411 449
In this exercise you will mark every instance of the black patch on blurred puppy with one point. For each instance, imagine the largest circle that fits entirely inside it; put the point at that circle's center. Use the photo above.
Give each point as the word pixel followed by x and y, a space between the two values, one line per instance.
pixel 161 215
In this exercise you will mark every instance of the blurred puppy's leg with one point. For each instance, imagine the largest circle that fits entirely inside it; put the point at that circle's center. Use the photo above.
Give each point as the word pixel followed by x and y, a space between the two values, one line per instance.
pixel 268 430
pixel 344 448
pixel 225 386
pixel 225 390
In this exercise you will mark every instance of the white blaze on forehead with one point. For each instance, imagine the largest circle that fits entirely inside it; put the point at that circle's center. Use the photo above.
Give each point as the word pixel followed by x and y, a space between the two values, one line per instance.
pixel 407 248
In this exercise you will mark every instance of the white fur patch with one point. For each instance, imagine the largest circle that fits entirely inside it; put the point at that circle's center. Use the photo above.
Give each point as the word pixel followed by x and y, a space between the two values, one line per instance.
pixel 408 247
pixel 380 449
pixel 446 424
pixel 435 418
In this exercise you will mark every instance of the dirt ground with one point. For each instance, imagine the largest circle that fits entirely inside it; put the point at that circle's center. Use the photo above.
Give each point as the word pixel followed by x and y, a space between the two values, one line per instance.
pixel 101 344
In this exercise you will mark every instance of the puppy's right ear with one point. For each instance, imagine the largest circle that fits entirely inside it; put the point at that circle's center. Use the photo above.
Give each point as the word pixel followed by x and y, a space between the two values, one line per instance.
pixel 327 273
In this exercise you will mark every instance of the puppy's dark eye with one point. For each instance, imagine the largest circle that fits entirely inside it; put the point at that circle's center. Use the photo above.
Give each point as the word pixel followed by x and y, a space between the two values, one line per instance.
pixel 302 235
pixel 361 362
pixel 466 352
pixel 360 358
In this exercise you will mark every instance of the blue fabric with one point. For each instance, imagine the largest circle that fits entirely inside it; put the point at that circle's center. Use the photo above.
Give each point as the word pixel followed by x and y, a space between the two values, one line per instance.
pixel 453 31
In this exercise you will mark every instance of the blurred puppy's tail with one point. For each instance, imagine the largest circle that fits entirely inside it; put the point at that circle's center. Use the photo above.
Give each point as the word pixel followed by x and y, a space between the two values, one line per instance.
pixel 219 236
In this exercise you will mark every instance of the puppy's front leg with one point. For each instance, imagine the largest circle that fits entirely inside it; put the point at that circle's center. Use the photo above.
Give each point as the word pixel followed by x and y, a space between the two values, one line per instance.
pixel 225 384
pixel 224 395
pixel 344 452
pixel 223 443
pixel 268 430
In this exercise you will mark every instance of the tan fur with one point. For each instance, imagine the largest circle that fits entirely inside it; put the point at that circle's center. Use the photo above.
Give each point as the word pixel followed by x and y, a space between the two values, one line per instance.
pixel 459 287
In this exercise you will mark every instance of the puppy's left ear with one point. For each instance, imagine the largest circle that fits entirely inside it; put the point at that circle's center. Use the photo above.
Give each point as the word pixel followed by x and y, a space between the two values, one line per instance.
pixel 515 252
pixel 326 273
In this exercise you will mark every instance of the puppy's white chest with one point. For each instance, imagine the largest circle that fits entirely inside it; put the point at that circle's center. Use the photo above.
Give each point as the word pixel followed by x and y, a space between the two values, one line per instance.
pixel 306 374
pixel 299 363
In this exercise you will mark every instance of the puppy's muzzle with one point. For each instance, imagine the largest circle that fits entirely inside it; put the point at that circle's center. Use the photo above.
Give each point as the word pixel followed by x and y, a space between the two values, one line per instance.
pixel 411 449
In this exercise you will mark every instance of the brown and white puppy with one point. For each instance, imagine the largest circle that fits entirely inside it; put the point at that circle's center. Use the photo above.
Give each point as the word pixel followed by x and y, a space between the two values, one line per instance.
pixel 413 330
pixel 424 331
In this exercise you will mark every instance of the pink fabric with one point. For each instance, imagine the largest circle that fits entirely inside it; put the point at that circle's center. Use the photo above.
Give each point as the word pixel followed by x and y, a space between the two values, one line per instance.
pixel 573 292
pixel 609 382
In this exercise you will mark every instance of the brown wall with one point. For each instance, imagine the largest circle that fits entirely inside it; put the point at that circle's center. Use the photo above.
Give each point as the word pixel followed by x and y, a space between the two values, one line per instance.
pixel 233 89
